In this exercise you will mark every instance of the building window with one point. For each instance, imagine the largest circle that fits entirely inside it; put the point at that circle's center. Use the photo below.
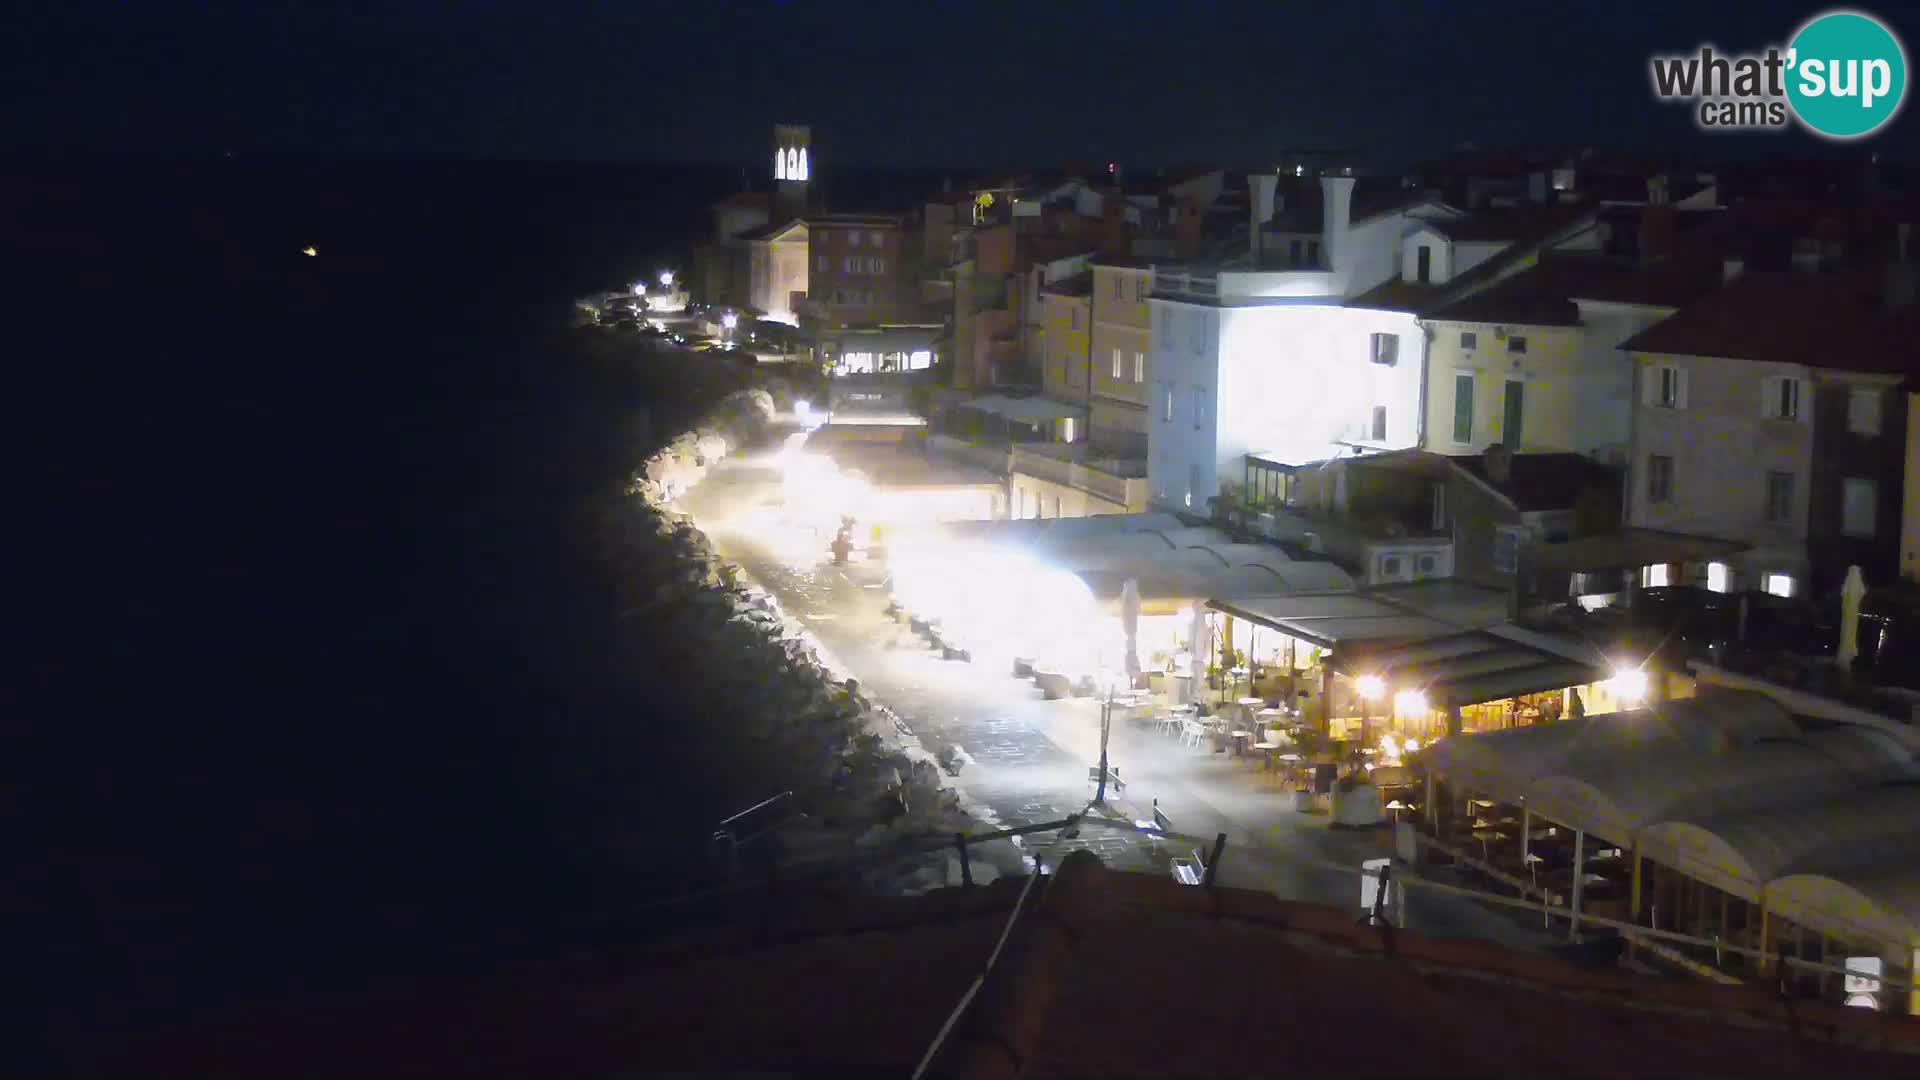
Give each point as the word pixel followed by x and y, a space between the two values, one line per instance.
pixel 854 238
pixel 1667 387
pixel 1719 577
pixel 1066 429
pixel 1073 318
pixel 1779 497
pixel 1423 264
pixel 1139 288
pixel 873 238
pixel 1513 414
pixel 1776 584
pixel 1140 368
pixel 1199 409
pixel 1659 478
pixel 1193 483
pixel 822 263
pixel 1166 412
pixel 1424 565
pixel 1119 287
pixel 1469 339
pixel 1386 349
pixel 1463 408
pixel 1857 506
pixel 879 265
pixel 1656 576
pixel 1313 254
pixel 1377 424
pixel 1506 550
pixel 1863 411
pixel 1390 567
pixel 1780 398
pixel 1293 253
pixel 1516 345
pixel 1116 362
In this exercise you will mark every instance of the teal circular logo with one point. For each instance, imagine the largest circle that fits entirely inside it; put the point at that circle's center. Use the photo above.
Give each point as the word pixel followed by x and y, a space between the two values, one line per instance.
pixel 1847 75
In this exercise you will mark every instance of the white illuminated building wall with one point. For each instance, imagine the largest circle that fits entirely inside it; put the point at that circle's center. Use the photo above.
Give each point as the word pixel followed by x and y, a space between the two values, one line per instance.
pixel 1300 382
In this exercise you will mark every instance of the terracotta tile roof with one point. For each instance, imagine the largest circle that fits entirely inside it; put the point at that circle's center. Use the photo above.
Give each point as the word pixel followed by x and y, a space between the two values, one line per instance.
pixel 1544 295
pixel 1550 481
pixel 1077 285
pixel 1113 975
pixel 1824 321
pixel 770 231
pixel 1545 227
pixel 743 200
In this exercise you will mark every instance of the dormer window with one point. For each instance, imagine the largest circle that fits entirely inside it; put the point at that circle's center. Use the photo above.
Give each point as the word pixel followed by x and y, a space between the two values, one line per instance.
pixel 1423 265
pixel 1386 349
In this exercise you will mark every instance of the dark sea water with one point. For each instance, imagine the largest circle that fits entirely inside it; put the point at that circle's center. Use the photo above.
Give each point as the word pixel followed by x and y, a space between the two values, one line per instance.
pixel 317 696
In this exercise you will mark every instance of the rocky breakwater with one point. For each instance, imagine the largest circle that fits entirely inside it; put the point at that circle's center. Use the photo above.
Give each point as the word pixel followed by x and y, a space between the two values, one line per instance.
pixel 796 723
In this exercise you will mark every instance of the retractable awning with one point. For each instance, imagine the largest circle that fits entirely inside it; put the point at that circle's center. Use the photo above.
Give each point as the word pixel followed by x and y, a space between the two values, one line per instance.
pixel 1469 668
pixel 1327 621
pixel 1627 549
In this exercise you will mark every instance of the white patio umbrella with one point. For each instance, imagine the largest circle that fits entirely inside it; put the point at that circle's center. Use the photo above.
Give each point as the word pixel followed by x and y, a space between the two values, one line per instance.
pixel 1851 593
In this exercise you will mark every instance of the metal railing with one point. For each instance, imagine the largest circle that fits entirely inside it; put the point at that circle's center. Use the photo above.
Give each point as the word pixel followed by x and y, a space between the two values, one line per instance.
pixel 1113 479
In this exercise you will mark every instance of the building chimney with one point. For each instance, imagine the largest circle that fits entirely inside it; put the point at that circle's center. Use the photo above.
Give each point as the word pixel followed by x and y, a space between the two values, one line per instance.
pixel 1731 269
pixel 1499 464
pixel 1186 230
pixel 1657 226
pixel 1261 188
pixel 1336 200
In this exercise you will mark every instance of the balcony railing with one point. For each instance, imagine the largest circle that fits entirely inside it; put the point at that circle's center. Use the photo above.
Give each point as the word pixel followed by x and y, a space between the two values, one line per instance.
pixel 1117 480
pixel 1204 286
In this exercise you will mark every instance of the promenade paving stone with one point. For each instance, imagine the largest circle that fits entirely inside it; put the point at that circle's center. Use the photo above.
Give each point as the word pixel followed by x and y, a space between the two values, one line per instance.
pixel 1030 757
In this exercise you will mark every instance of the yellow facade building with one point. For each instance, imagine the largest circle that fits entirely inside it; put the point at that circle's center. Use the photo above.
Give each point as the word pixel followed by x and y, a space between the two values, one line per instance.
pixel 1121 341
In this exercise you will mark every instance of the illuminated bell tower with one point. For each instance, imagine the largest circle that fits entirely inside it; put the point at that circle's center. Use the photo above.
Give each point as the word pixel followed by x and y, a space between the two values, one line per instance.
pixel 792 171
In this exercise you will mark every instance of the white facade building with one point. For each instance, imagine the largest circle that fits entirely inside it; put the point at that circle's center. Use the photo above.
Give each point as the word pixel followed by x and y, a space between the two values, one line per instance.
pixel 1250 360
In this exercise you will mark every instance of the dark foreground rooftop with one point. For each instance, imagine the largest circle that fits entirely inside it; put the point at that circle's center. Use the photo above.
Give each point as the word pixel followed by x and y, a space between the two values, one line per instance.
pixel 1109 975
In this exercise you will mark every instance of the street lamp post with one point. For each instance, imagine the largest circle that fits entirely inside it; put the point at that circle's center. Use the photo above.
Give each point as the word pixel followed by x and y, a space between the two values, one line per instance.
pixel 1106 728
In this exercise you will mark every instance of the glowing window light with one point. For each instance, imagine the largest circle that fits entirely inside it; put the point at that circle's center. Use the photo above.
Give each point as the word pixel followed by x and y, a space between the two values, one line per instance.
pixel 779 165
pixel 1410 703
pixel 1371 687
pixel 804 170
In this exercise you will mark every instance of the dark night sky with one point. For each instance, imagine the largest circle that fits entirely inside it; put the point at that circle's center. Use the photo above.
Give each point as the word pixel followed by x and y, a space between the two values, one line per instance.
pixel 882 82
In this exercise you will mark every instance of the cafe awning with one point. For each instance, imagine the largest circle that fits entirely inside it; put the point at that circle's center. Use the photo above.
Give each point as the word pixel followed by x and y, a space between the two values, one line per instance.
pixel 1467 668
pixel 1627 549
pixel 1330 620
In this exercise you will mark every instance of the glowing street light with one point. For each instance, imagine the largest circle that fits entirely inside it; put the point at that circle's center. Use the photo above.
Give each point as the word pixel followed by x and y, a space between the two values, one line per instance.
pixel 1629 684
pixel 1410 703
pixel 1371 687
pixel 309 251
pixel 666 279
pixel 639 288
pixel 730 320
